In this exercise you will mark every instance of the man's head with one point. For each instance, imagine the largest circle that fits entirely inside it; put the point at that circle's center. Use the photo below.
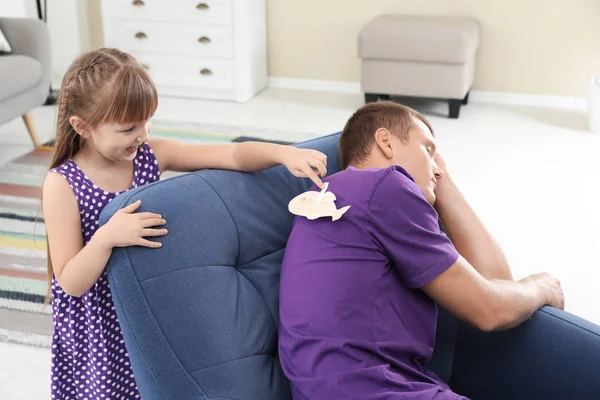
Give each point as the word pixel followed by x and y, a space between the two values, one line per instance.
pixel 385 133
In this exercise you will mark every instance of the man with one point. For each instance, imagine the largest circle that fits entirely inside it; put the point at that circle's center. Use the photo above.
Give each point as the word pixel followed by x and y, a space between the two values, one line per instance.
pixel 358 295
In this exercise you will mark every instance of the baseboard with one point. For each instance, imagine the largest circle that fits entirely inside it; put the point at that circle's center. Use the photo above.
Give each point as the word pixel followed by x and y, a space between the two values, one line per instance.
pixel 315 85
pixel 477 96
pixel 529 100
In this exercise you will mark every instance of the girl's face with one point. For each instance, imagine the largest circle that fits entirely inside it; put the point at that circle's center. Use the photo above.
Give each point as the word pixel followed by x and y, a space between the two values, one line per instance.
pixel 119 142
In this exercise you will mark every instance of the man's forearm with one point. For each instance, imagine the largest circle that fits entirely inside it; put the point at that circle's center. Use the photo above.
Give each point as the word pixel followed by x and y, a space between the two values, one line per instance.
pixel 515 302
pixel 468 234
pixel 492 304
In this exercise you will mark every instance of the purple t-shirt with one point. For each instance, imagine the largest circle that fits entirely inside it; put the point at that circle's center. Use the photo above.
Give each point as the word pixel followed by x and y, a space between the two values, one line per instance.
pixel 353 322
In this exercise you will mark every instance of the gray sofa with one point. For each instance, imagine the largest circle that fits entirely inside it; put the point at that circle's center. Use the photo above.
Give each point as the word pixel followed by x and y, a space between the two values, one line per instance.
pixel 25 72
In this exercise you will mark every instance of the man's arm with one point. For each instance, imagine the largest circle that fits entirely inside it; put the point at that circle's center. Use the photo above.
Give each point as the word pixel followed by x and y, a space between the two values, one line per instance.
pixel 426 259
pixel 492 304
pixel 466 231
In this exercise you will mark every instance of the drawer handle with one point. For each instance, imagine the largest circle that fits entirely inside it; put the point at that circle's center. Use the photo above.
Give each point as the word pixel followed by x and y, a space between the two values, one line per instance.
pixel 203 6
pixel 138 3
pixel 206 72
pixel 141 35
pixel 204 40
pixel 146 67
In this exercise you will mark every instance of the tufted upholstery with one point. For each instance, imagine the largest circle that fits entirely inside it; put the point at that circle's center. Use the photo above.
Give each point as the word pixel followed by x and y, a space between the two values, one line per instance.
pixel 201 313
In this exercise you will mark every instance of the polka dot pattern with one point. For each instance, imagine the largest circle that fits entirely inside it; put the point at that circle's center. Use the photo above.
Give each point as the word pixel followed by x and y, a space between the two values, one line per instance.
pixel 89 358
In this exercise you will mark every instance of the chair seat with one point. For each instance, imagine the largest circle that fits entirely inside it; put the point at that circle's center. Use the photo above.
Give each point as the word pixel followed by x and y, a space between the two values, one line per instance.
pixel 18 74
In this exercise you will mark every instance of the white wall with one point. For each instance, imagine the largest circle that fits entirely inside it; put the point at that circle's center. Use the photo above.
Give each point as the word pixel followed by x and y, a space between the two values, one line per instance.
pixel 17 8
pixel 542 47
pixel 545 47
pixel 69 34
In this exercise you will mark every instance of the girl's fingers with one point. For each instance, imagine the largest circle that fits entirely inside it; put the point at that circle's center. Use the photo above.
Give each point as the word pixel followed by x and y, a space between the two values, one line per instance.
pixel 150 244
pixel 132 207
pixel 147 223
pixel 154 232
pixel 322 157
pixel 318 164
pixel 308 172
pixel 148 215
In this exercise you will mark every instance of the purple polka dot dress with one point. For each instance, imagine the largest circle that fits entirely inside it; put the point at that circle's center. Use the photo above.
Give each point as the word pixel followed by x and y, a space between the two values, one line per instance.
pixel 89 358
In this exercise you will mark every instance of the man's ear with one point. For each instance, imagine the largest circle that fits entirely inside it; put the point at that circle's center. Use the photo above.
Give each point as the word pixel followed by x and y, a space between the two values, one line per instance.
pixel 80 126
pixel 383 140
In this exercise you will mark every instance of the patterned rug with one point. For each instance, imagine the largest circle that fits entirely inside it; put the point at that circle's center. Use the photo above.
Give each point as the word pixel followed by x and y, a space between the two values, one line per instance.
pixel 23 318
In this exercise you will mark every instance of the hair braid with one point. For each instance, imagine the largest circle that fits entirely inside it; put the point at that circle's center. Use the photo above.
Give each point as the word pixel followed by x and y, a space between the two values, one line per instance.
pixel 104 85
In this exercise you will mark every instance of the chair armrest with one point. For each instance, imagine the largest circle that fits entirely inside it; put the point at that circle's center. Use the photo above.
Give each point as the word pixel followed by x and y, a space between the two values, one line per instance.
pixel 29 37
pixel 554 355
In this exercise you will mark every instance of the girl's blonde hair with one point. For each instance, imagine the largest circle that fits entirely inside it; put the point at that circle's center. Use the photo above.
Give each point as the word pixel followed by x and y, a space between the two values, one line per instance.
pixel 101 86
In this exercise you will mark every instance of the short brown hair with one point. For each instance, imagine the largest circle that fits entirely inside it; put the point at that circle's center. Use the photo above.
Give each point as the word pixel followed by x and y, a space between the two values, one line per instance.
pixel 357 137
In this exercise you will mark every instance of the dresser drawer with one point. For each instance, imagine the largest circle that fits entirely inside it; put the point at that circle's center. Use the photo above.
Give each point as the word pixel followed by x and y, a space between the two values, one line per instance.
pixel 217 12
pixel 167 38
pixel 190 72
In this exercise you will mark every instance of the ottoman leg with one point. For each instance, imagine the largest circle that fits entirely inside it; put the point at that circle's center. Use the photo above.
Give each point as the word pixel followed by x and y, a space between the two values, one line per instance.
pixel 465 101
pixel 371 98
pixel 454 106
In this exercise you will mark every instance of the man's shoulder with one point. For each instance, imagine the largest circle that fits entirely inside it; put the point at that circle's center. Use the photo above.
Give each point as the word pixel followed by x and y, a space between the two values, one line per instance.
pixel 396 175
pixel 372 176
pixel 372 185
pixel 392 184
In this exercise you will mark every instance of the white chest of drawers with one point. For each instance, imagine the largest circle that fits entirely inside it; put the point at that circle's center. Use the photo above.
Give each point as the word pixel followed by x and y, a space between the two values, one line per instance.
pixel 207 49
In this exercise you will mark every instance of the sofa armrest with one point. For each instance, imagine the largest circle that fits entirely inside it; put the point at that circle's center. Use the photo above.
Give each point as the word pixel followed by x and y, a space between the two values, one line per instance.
pixel 554 355
pixel 29 37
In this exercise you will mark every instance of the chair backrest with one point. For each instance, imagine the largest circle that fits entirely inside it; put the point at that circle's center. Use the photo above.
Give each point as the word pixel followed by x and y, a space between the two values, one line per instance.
pixel 200 315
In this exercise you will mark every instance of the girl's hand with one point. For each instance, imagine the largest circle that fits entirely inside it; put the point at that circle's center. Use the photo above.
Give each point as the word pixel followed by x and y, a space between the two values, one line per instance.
pixel 300 162
pixel 128 229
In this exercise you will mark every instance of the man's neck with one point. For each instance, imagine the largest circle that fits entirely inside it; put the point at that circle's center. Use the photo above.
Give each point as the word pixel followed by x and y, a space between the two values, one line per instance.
pixel 372 162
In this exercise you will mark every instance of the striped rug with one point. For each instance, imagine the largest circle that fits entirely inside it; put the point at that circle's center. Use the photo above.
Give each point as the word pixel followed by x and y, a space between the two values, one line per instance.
pixel 23 318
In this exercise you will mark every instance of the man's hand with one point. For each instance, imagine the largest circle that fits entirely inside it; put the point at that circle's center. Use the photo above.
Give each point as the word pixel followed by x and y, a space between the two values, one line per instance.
pixel 550 287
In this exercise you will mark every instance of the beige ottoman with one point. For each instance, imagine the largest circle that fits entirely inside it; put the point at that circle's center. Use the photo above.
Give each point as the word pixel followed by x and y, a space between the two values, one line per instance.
pixel 419 56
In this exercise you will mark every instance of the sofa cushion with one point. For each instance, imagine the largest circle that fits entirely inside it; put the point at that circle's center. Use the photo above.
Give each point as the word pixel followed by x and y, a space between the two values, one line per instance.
pixel 18 74
pixel 200 315
pixel 420 38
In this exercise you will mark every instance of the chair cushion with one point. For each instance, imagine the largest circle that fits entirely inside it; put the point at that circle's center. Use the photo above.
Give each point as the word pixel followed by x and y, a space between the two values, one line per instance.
pixel 420 38
pixel 18 74
pixel 200 315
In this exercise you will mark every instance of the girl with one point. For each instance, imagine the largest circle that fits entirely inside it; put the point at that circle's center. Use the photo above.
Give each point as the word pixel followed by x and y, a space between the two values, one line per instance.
pixel 102 150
